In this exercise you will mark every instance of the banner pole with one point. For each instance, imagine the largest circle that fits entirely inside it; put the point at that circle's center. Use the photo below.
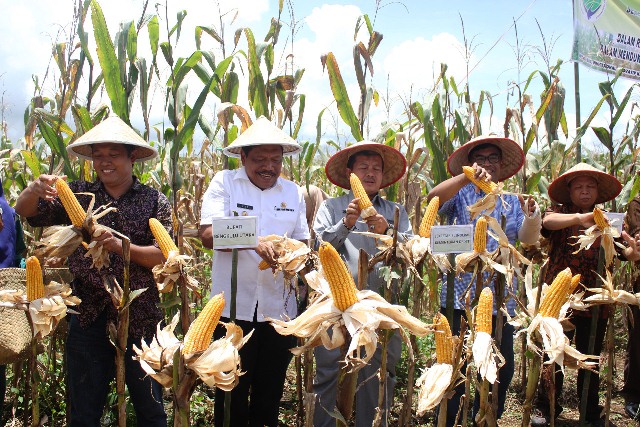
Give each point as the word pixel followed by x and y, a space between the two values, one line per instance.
pixel 576 80
pixel 576 88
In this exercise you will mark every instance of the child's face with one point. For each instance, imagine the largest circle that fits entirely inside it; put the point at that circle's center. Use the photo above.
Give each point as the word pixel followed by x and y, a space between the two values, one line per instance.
pixel 583 191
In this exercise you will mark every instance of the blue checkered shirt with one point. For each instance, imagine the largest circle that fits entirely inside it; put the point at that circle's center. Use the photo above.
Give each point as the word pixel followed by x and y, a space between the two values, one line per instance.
pixel 456 212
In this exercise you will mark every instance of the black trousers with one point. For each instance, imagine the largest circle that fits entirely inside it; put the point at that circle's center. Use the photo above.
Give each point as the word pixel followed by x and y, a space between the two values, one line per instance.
pixel 631 387
pixel 90 369
pixel 255 401
pixel 581 332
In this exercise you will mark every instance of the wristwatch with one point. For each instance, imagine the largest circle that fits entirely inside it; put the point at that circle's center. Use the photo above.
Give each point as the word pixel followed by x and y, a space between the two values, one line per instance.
pixel 389 231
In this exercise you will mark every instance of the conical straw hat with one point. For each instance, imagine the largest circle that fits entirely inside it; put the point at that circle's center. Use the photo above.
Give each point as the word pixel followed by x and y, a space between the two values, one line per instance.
pixel 608 186
pixel 263 132
pixel 512 156
pixel 115 131
pixel 395 163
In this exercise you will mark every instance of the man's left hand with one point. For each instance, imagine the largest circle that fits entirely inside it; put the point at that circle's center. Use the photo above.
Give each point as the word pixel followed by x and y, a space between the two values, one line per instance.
pixel 528 207
pixel 377 224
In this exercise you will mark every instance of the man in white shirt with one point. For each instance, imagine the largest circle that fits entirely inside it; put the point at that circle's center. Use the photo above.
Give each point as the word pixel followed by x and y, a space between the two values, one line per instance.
pixel 256 189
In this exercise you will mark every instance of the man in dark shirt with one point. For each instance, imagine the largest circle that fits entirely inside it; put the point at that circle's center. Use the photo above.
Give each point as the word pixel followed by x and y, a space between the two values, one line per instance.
pixel 113 147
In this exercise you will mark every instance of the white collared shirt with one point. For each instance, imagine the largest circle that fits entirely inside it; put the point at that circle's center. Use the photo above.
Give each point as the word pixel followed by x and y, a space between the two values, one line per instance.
pixel 280 209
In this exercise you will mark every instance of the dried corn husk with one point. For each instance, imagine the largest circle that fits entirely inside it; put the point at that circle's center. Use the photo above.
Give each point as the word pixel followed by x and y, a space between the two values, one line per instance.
pixel 46 312
pixel 292 254
pixel 433 385
pixel 361 321
pixel 218 365
pixel 166 275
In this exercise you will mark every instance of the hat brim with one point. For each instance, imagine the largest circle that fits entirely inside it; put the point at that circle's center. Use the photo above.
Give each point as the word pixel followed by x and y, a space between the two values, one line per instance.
pixel 395 163
pixel 112 130
pixel 608 186
pixel 263 132
pixel 512 156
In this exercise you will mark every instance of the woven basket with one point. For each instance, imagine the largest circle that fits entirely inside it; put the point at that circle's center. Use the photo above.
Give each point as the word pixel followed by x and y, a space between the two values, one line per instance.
pixel 15 332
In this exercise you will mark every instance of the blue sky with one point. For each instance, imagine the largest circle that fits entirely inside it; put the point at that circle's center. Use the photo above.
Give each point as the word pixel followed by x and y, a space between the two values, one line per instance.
pixel 418 36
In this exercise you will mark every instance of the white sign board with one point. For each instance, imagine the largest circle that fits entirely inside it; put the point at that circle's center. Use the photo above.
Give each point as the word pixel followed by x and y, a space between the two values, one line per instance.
pixel 235 232
pixel 616 219
pixel 451 239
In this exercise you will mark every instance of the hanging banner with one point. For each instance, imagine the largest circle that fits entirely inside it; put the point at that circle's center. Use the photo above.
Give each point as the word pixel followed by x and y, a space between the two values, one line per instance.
pixel 606 35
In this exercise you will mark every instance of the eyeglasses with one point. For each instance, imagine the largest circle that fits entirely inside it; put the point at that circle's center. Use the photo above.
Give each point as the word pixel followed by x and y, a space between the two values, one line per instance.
pixel 492 158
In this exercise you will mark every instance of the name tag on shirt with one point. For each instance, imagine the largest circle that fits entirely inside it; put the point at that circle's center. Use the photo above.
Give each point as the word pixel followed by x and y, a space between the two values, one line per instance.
pixel 235 232
pixel 451 239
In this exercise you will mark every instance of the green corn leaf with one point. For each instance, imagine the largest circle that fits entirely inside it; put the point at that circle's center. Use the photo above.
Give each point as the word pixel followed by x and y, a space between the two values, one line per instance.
pixel 132 43
pixel 207 30
pixel 109 63
pixel 603 135
pixel 622 106
pixel 302 101
pixel 32 162
pixel 257 94
pixel 154 34
pixel 341 96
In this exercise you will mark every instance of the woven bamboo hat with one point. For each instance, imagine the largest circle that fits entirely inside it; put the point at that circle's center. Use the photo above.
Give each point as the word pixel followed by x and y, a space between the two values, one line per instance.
pixel 114 131
pixel 512 156
pixel 394 163
pixel 263 132
pixel 15 332
pixel 608 186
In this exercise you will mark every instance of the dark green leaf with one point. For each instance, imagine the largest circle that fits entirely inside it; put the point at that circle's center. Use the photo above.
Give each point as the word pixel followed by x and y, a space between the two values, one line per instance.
pixel 603 135
pixel 342 97
pixel 622 106
pixel 32 161
pixel 167 52
pixel 208 30
pixel 109 63
pixel 132 43
pixel 154 34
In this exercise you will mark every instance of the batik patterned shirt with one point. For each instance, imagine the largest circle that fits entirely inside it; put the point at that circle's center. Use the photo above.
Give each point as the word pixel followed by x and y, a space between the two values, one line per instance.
pixel 134 208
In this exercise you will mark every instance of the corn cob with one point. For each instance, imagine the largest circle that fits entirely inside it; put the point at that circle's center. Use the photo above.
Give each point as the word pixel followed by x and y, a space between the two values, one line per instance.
pixel 76 214
pixel 484 311
pixel 486 186
pixel 443 338
pixel 429 217
pixel 599 219
pixel 341 283
pixel 162 237
pixel 263 265
pixel 199 335
pixel 558 294
pixel 366 208
pixel 575 281
pixel 35 284
pixel 480 235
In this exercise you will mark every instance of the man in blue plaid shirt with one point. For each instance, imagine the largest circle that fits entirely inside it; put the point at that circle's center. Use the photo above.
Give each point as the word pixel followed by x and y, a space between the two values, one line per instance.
pixel 494 159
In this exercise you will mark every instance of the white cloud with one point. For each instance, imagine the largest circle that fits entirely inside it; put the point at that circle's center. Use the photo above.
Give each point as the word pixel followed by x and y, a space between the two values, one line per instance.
pixel 416 62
